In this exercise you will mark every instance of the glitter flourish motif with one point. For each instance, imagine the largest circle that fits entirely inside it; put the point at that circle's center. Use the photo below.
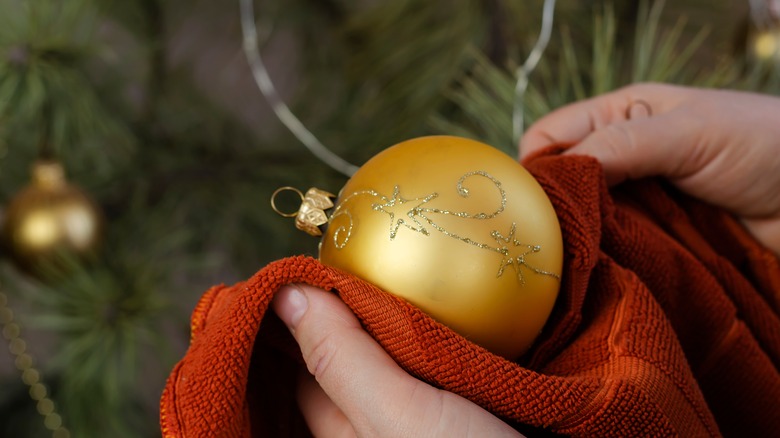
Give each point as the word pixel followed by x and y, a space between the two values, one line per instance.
pixel 395 206
pixel 416 214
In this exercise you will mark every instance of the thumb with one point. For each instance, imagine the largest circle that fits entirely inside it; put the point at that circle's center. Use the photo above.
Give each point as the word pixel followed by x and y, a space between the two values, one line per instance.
pixel 357 377
pixel 352 369
pixel 373 394
pixel 641 147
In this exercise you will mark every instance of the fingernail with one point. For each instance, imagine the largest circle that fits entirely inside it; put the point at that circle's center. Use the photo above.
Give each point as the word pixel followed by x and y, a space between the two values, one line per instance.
pixel 290 303
pixel 638 109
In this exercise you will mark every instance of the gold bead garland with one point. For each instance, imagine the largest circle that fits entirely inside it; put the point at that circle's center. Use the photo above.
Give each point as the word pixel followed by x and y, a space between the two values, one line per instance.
pixel 30 375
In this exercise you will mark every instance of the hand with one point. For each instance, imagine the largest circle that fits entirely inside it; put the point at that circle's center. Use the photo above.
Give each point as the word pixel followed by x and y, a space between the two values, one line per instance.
pixel 357 389
pixel 720 146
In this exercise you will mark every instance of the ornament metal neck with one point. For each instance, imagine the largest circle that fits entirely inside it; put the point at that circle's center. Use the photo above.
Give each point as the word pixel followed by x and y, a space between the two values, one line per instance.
pixel 311 214
pixel 47 173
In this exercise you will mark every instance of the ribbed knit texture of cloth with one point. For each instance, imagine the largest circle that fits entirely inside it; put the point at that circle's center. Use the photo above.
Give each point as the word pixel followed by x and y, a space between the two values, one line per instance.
pixel 667 324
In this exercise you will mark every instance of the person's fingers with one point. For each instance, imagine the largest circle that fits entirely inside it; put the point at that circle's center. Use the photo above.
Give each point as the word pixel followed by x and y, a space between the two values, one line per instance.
pixel 643 147
pixel 352 369
pixel 572 123
pixel 767 231
pixel 373 393
pixel 719 146
pixel 322 416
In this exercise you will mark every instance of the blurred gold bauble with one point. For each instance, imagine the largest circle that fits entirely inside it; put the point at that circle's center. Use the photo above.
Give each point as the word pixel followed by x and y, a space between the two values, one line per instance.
pixel 48 217
pixel 765 45
pixel 460 230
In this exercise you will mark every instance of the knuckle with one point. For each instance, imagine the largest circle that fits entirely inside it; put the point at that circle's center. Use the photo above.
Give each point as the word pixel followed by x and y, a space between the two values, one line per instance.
pixel 620 152
pixel 645 88
pixel 320 357
pixel 429 409
pixel 618 138
pixel 638 88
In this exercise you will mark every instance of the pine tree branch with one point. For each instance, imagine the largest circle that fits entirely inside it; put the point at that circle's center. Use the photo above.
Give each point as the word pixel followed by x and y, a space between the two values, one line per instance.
pixel 330 8
pixel 156 79
pixel 498 32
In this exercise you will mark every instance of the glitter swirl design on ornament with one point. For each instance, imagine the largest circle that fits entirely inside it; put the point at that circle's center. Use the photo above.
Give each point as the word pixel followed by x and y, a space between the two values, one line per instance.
pixel 418 217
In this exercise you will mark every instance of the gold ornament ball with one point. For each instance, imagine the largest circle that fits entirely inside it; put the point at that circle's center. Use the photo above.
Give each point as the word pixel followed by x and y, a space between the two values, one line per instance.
pixel 458 229
pixel 50 216
pixel 765 45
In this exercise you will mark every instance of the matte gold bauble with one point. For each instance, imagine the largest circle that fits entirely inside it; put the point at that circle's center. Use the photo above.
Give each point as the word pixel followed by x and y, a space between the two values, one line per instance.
pixel 50 216
pixel 460 230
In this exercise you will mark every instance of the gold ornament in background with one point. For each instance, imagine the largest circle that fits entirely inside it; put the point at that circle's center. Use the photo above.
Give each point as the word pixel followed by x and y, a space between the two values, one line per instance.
pixel 49 216
pixel 460 230
pixel 763 37
pixel 765 45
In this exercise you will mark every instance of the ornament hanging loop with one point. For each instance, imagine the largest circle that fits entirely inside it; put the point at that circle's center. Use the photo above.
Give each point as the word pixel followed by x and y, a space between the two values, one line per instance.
pixel 276 193
pixel 311 214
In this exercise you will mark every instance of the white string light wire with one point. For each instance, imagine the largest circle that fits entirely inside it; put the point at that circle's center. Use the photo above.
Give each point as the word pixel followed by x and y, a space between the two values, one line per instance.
pixel 524 71
pixel 282 111
pixel 263 80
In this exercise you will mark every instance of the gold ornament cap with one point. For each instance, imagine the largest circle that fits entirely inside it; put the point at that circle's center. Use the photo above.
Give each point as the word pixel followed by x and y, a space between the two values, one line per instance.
pixel 311 214
pixel 48 174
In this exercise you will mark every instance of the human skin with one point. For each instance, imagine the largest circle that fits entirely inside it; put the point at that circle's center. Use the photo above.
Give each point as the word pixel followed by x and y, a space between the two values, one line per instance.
pixel 351 387
pixel 720 146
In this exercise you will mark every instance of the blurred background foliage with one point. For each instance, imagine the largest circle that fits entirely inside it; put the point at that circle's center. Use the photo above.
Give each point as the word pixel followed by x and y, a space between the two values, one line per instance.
pixel 151 109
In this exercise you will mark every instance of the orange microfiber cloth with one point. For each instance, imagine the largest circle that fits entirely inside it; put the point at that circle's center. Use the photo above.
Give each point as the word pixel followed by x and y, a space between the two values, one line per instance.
pixel 667 324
